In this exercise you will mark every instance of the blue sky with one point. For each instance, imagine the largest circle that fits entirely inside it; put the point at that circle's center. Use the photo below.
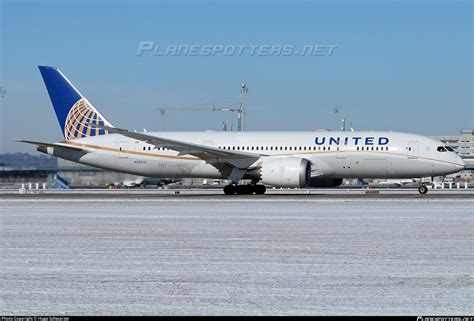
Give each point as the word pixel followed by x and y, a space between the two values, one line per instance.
pixel 398 65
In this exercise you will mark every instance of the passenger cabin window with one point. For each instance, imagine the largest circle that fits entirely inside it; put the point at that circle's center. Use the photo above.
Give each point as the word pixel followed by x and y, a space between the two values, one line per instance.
pixel 441 149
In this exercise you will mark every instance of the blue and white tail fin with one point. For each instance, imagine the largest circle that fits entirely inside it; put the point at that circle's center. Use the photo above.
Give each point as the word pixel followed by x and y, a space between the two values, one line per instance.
pixel 75 113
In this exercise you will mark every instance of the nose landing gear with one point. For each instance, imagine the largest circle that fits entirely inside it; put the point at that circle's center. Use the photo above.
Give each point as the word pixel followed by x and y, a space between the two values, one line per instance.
pixel 423 189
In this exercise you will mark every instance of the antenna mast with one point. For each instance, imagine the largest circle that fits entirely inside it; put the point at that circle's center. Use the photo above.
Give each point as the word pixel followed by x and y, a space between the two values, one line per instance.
pixel 336 111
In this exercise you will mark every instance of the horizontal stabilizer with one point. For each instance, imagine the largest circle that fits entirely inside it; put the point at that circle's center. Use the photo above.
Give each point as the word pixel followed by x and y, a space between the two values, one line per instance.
pixel 41 144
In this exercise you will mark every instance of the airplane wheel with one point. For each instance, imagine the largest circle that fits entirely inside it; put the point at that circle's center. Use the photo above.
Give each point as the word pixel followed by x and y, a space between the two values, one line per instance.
pixel 423 189
pixel 244 189
pixel 260 189
pixel 250 189
pixel 229 190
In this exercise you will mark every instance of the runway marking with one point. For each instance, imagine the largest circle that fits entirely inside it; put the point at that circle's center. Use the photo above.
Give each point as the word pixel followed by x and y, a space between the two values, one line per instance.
pixel 237 200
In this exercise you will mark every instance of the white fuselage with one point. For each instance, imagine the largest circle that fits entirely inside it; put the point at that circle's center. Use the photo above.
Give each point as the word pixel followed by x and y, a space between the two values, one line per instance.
pixel 331 154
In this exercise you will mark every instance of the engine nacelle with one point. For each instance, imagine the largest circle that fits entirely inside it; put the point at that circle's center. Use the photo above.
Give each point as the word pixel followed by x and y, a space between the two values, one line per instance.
pixel 285 172
pixel 325 182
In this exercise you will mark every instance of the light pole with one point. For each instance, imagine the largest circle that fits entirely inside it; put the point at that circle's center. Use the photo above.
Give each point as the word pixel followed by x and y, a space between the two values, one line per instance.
pixel 162 112
pixel 240 115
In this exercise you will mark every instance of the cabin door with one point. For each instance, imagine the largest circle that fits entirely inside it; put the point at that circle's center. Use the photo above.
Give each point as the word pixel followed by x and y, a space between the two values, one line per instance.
pixel 123 150
pixel 412 149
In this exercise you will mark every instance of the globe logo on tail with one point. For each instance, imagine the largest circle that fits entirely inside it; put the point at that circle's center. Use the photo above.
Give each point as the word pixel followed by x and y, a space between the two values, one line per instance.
pixel 81 121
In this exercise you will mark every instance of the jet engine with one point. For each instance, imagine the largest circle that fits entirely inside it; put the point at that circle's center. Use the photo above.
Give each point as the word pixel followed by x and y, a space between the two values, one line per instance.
pixel 285 172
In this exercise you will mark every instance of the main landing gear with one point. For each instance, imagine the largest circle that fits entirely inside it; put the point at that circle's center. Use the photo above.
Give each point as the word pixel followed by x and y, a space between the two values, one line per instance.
pixel 423 189
pixel 248 189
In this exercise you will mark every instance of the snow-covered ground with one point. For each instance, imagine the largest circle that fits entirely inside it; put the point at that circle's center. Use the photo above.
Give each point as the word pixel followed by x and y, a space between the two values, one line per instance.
pixel 221 256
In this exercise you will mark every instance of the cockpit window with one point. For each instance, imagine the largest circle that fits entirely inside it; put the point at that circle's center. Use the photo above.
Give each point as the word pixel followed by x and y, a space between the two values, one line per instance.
pixel 449 148
pixel 441 149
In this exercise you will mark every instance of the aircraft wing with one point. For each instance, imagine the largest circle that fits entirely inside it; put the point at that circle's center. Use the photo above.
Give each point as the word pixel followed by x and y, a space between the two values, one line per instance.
pixel 234 162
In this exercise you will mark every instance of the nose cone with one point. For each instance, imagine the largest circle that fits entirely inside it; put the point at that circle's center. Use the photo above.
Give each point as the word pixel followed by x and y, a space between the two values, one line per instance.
pixel 460 163
pixel 451 165
pixel 457 165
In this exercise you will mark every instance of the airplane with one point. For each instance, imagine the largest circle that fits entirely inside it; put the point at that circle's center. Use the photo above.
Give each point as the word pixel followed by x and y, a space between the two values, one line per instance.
pixel 278 159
